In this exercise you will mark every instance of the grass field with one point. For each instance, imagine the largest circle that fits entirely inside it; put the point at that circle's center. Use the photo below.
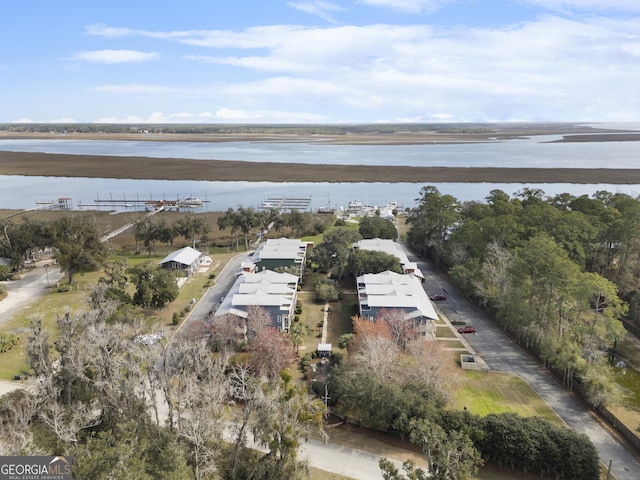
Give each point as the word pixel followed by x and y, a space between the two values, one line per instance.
pixel 444 331
pixel 483 393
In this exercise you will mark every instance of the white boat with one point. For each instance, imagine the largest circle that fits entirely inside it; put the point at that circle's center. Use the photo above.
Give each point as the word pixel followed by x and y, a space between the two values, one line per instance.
pixel 190 202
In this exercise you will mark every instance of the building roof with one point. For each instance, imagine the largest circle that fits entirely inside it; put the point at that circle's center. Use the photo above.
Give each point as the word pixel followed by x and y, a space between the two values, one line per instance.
pixel 280 248
pixel 393 290
pixel 263 289
pixel 392 248
pixel 185 256
pixel 269 276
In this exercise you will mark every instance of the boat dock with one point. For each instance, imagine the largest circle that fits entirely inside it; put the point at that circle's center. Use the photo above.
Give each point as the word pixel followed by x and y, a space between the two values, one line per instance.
pixel 148 204
pixel 286 204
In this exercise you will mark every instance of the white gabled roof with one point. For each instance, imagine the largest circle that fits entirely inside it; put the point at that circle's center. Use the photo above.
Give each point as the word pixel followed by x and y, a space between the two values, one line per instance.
pixel 269 276
pixel 186 256
pixel 392 290
pixel 266 289
pixel 263 289
pixel 261 300
pixel 280 248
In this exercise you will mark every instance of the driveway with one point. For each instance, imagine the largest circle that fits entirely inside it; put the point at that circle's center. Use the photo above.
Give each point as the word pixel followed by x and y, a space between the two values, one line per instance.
pixel 503 354
pixel 210 299
pixel 25 291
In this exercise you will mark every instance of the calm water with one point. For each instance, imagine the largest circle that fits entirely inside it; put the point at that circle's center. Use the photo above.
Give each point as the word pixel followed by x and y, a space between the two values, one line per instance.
pixel 533 152
pixel 24 192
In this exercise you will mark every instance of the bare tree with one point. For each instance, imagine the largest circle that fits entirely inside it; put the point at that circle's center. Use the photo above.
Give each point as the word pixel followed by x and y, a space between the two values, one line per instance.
pixel 272 352
pixel 375 348
pixel 201 421
pixel 17 410
pixel 401 329
pixel 225 330
pixel 428 362
pixel 249 391
pixel 257 320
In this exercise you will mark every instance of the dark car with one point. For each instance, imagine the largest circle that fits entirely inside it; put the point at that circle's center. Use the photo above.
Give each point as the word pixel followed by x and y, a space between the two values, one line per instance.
pixel 467 329
pixel 438 298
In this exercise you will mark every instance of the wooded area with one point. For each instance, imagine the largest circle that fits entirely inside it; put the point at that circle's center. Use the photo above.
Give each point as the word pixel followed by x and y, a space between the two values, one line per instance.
pixel 558 273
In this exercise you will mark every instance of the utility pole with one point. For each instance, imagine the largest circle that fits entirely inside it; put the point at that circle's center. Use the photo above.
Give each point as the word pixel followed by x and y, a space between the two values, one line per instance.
pixel 326 399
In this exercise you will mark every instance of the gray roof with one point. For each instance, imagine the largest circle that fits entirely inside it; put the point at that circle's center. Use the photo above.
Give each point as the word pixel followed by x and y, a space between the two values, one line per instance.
pixel 280 248
pixel 392 290
pixel 266 289
pixel 185 256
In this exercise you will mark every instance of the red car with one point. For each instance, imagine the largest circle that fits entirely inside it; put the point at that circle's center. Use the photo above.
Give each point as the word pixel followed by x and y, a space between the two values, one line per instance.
pixel 438 298
pixel 467 329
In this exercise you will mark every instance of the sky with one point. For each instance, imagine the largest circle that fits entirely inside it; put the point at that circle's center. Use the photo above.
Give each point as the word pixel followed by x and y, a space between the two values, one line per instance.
pixel 319 61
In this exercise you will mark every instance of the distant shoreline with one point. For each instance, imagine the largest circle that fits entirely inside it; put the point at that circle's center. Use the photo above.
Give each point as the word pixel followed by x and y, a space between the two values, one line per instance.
pixel 498 132
pixel 146 168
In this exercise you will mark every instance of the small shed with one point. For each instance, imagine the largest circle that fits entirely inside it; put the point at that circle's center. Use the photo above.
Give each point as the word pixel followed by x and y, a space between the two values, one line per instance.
pixel 324 349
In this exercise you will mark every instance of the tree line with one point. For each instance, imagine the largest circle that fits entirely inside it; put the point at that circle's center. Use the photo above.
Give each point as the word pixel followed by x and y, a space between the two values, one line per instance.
pixel 258 129
pixel 559 273
pixel 251 224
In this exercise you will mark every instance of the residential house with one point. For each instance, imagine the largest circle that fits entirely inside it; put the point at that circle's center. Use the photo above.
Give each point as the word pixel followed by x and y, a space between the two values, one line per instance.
pixel 279 254
pixel 186 260
pixel 396 294
pixel 275 293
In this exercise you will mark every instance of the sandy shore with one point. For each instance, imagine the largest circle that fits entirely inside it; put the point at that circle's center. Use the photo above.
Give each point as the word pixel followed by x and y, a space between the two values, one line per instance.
pixel 63 165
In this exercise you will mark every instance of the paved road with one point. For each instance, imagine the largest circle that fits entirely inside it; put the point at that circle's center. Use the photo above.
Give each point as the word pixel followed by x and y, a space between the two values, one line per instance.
pixel 210 300
pixel 502 354
pixel 349 462
pixel 26 290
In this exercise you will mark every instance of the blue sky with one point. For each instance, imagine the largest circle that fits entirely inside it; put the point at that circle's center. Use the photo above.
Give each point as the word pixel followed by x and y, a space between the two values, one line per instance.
pixel 319 61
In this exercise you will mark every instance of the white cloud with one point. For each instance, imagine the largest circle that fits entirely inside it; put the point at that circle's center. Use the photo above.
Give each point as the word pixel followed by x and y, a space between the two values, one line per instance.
pixel 588 5
pixel 318 8
pixel 129 119
pixel 551 68
pixel 135 89
pixel 115 56
pixel 62 120
pixel 101 30
pixel 222 115
pixel 408 6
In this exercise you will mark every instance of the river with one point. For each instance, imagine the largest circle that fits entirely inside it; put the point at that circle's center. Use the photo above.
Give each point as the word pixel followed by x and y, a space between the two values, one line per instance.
pixel 536 152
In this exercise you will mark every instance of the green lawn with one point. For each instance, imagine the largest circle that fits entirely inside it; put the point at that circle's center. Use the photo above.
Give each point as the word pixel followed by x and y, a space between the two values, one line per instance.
pixel 47 308
pixel 54 303
pixel 445 332
pixel 483 393
pixel 451 343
